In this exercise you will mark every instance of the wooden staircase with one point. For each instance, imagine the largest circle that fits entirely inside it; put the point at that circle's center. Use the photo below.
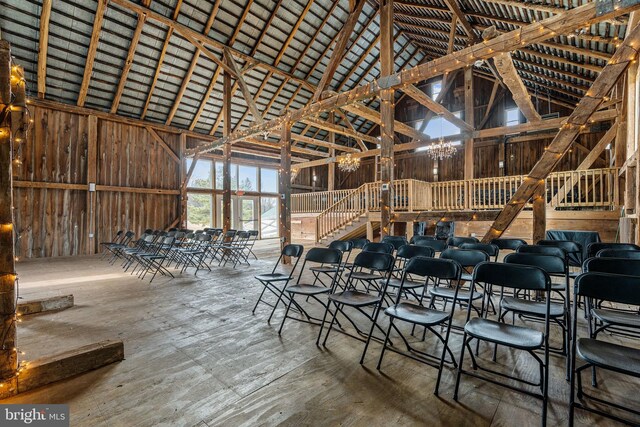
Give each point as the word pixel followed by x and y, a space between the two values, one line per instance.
pixel 351 230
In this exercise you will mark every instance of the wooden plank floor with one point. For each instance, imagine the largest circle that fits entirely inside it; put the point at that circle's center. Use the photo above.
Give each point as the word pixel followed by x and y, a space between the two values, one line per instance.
pixel 195 355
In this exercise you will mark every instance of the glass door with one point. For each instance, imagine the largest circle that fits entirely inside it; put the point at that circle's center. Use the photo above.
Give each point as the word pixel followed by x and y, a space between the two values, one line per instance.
pixel 247 212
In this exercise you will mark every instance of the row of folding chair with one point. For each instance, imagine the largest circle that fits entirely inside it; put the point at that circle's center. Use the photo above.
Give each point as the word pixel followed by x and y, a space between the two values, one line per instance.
pixel 467 277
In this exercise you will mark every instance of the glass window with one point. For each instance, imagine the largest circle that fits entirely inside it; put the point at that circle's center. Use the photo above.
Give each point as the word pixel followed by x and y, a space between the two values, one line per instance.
pixel 234 176
pixel 268 180
pixel 439 126
pixel 202 176
pixel 199 211
pixel 247 178
pixel 269 217
pixel 219 175
pixel 511 116
pixel 436 87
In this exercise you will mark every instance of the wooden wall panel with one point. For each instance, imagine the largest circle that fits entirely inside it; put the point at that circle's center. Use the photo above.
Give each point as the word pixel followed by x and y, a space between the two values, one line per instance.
pixel 53 221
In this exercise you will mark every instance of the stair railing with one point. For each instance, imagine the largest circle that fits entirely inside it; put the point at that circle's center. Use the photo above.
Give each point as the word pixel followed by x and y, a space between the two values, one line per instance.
pixel 344 211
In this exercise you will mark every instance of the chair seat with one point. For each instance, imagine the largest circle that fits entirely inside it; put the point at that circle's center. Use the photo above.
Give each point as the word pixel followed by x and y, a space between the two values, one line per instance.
pixel 558 287
pixel 272 277
pixel 608 355
pixel 467 277
pixel 416 314
pixel 304 289
pixel 354 298
pixel 504 334
pixel 532 308
pixel 616 317
pixel 361 275
pixel 395 283
pixel 325 269
pixel 449 293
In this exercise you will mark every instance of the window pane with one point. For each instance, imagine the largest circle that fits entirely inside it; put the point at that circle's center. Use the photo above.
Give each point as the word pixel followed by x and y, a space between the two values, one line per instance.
pixel 234 176
pixel 436 87
pixel 199 211
pixel 268 180
pixel 248 213
pixel 248 178
pixel 512 116
pixel 201 176
pixel 269 217
pixel 219 174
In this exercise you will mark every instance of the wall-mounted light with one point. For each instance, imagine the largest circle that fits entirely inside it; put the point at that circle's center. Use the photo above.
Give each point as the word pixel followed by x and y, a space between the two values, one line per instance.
pixel 435 171
pixel 501 164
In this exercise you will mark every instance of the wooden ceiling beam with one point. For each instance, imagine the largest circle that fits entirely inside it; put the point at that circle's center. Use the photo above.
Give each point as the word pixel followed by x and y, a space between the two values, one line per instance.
pixel 244 88
pixel 192 66
pixel 346 121
pixel 434 106
pixel 339 50
pixel 293 32
pixel 330 127
pixel 43 46
pixel 579 119
pixel 536 32
pixel 461 19
pixel 163 52
pixel 91 53
pixel 128 63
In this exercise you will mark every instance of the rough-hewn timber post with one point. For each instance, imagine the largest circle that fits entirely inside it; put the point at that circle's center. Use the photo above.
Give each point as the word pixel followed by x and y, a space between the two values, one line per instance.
pixel 226 166
pixel 285 186
pixel 8 353
pixel 387 99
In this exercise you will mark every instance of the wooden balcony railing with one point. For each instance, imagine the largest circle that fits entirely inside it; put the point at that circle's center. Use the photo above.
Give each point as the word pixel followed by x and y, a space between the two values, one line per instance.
pixel 593 188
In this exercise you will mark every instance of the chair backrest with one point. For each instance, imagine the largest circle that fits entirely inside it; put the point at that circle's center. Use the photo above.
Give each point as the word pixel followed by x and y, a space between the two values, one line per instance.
pixel 396 241
pixel 203 237
pixel 341 245
pixel 243 235
pixel 618 253
pixel 436 245
pixel 214 232
pixel 457 241
pixel 629 267
pixel 411 251
pixel 230 234
pixel 508 244
pixel 466 257
pixel 129 235
pixel 294 251
pixel 514 276
pixel 542 250
pixel 491 249
pixel 148 231
pixel 383 248
pixel 324 256
pixel 445 269
pixel 617 288
pixel 374 261
pixel 171 233
pixel 359 243
pixel 552 264
pixel 568 245
pixel 416 240
pixel 595 247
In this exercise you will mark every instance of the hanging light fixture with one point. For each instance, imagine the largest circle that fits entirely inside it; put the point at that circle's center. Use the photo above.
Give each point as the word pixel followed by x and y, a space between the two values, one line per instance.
pixel 348 163
pixel 442 149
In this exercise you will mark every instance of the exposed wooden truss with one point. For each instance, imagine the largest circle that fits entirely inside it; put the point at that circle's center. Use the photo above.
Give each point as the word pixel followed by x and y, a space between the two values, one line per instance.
pixel 45 16
pixel 91 54
pixel 434 106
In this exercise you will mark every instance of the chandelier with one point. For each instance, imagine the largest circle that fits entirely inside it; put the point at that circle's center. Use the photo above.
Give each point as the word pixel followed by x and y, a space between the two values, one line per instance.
pixel 348 163
pixel 442 149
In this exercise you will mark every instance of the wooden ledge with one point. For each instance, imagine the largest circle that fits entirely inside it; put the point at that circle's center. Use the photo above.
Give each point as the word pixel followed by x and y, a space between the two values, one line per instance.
pixel 45 305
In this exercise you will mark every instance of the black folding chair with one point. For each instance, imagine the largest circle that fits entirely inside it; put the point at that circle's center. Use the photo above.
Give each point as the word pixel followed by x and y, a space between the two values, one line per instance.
pixel 573 250
pixel 154 262
pixel 618 253
pixel 508 244
pixel 318 256
pixel 330 271
pixel 115 240
pixel 560 314
pixel 492 250
pixel 436 245
pixel 457 241
pixel 598 353
pixel 595 247
pixel 381 248
pixel 417 240
pixel 517 278
pixel 409 285
pixel 116 248
pixel 429 269
pixel 468 259
pixel 396 241
pixel 276 281
pixel 359 243
pixel 358 300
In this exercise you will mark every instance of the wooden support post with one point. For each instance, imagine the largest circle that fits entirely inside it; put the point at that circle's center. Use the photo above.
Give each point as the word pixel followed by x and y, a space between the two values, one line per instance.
pixel 469 118
pixel 387 111
pixel 409 230
pixel 92 174
pixel 226 165
pixel 8 354
pixel 370 231
pixel 539 213
pixel 331 172
pixel 45 16
pixel 183 176
pixel 285 186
